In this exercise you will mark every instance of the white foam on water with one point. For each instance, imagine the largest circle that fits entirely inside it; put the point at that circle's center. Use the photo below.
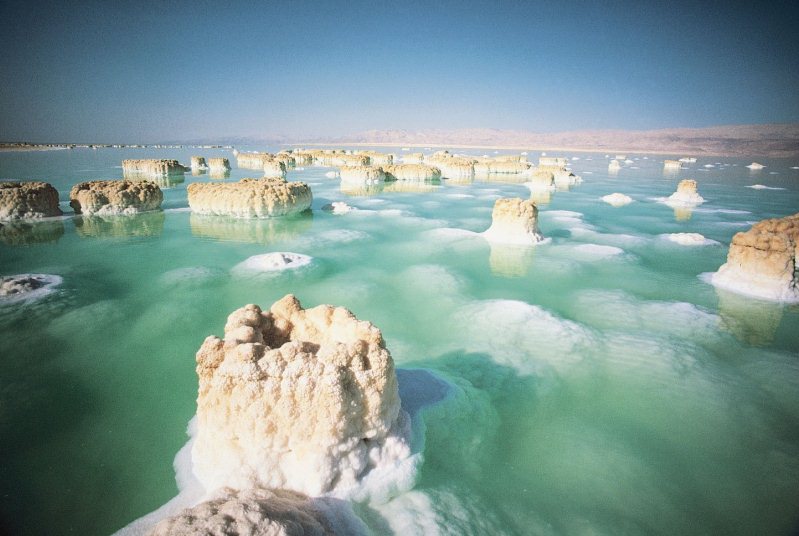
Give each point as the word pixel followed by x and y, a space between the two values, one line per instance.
pixel 449 233
pixel 564 213
pixel 272 262
pixel 609 238
pixel 588 172
pixel 372 201
pixel 460 196
pixel 763 187
pixel 179 209
pixel 689 239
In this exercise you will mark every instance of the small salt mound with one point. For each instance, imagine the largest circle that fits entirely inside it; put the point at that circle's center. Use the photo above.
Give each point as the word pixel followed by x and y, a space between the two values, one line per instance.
pixel 273 262
pixel 763 187
pixel 596 251
pixel 617 199
pixel 755 165
pixel 26 287
pixel 331 174
pixel 338 207
pixel 688 239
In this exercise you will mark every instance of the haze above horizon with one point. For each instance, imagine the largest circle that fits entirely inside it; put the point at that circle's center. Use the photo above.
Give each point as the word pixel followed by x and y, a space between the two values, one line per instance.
pixel 146 71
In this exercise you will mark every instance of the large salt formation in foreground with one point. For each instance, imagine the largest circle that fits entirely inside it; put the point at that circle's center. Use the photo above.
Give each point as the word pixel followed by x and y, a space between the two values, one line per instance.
pixel 297 399
pixel 514 221
pixel 115 197
pixel 686 195
pixel 151 167
pixel 762 261
pixel 256 512
pixel 250 198
pixel 28 200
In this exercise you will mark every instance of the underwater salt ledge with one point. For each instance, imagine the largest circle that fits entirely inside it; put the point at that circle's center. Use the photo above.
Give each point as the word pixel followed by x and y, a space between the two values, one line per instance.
pixel 292 430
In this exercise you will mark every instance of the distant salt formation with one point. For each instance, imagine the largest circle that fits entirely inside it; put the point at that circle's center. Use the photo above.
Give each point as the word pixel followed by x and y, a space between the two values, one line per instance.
pixel 672 165
pixel 24 287
pixel 514 221
pixel 614 164
pixel 115 197
pixel 686 195
pixel 250 198
pixel 378 159
pixel 297 399
pixel 255 512
pixel 413 158
pixel 274 169
pixel 486 166
pixel 564 178
pixel 151 167
pixel 455 168
pixel 253 160
pixel 761 262
pixel 198 162
pixel 361 174
pixel 216 165
pixel 28 200
pixel 688 160
pixel 411 172
pixel 617 199
pixel 332 174
pixel 552 161
pixel 755 166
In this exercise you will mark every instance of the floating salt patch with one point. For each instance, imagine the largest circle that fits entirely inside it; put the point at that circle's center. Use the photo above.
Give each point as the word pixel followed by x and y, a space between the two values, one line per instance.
pixel 755 165
pixel 794 167
pixel 338 207
pixel 763 187
pixel 709 166
pixel 596 251
pixel 273 262
pixel 26 287
pixel 688 239
pixel 331 174
pixel 179 209
pixel 460 196
pixel 588 172
pixel 450 233
pixel 617 199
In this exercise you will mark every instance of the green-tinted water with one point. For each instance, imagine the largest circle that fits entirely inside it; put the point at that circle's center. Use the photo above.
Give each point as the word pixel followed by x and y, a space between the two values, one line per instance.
pixel 590 393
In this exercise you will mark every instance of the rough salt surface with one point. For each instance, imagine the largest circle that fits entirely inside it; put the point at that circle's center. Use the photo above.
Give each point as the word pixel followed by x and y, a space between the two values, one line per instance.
pixel 250 198
pixel 686 195
pixel 299 399
pixel 14 288
pixel 255 512
pixel 27 200
pixel 115 197
pixel 689 239
pixel 514 221
pixel 617 199
pixel 761 262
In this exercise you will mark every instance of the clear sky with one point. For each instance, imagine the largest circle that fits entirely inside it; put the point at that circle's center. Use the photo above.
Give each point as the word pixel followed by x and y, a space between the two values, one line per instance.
pixel 119 71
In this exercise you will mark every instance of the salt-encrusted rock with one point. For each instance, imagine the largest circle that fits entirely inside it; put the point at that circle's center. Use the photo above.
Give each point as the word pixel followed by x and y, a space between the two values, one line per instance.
pixel 412 172
pixel 564 178
pixel 552 161
pixel 686 194
pixel 755 166
pixel 413 158
pixel 762 261
pixel 338 207
pixel 253 160
pixel 361 174
pixel 492 166
pixel 216 165
pixel 151 167
pixel 617 199
pixel 28 200
pixel 672 165
pixel 299 399
pixel 614 165
pixel 198 162
pixel 254 512
pixel 15 288
pixel 115 197
pixel 250 198
pixel 514 221
pixel 274 169
pixel 379 159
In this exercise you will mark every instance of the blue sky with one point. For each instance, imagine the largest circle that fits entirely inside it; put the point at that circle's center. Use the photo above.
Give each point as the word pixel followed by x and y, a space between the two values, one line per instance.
pixel 149 71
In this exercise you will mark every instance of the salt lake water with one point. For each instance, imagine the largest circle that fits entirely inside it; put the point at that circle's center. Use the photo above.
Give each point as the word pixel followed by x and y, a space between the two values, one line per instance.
pixel 594 384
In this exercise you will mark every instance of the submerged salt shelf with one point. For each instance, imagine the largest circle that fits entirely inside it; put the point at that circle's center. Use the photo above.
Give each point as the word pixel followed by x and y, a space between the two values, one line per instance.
pixel 591 384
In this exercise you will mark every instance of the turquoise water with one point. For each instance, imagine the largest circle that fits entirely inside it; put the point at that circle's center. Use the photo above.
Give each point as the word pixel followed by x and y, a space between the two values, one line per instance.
pixel 589 393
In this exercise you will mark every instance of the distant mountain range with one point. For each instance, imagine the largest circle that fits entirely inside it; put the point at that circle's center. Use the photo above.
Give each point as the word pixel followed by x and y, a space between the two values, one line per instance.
pixel 777 140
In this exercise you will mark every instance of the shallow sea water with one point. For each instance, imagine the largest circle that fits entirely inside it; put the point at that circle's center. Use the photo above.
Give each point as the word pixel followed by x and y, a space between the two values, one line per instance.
pixel 596 385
